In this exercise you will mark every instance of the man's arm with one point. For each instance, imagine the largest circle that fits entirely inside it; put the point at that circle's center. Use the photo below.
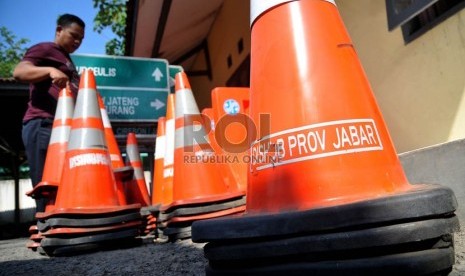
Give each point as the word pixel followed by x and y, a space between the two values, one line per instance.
pixel 25 71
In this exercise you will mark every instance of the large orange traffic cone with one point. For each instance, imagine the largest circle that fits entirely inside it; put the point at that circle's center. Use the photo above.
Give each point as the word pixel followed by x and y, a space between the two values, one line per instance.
pixel 115 154
pixel 136 190
pixel 55 158
pixel 158 164
pixel 325 182
pixel 230 106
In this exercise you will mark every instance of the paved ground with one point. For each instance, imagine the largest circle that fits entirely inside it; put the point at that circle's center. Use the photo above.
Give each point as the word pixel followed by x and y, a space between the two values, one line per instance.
pixel 179 258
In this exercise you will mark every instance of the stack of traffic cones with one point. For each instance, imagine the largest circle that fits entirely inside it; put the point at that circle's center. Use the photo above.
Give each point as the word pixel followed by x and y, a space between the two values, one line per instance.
pixel 326 193
pixel 35 238
pixel 158 163
pixel 136 189
pixel 157 179
pixel 53 167
pixel 199 191
pixel 87 213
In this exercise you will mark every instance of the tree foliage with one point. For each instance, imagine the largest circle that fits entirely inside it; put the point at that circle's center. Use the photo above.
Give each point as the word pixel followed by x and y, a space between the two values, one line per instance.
pixel 112 13
pixel 11 51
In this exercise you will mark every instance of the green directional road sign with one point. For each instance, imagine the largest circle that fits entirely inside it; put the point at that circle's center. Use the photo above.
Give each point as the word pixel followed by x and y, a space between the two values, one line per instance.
pixel 133 89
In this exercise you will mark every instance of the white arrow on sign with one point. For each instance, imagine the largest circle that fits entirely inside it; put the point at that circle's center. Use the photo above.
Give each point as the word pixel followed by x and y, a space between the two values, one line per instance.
pixel 157 104
pixel 157 74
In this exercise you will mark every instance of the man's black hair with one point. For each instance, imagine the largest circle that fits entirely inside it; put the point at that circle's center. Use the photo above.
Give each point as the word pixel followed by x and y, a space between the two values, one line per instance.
pixel 67 19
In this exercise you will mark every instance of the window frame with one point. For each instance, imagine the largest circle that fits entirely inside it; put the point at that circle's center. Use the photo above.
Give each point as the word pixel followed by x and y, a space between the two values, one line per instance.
pixel 405 18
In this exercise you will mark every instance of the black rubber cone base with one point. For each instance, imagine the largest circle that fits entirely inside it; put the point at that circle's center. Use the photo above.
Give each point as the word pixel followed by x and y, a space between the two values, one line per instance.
pixel 201 208
pixel 403 236
pixel 150 210
pixel 78 245
pixel 438 261
pixel 403 233
pixel 71 232
pixel 86 221
pixel 72 250
pixel 422 201
pixel 107 211
pixel 56 242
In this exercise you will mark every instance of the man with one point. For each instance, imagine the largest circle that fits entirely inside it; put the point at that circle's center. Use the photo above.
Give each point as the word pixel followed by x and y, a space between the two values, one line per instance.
pixel 48 68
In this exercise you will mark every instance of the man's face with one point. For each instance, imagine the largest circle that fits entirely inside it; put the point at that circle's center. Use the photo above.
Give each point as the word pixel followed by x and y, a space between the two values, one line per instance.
pixel 69 37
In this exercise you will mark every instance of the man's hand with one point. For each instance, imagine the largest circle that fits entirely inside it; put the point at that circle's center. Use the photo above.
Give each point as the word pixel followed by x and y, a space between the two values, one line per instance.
pixel 58 77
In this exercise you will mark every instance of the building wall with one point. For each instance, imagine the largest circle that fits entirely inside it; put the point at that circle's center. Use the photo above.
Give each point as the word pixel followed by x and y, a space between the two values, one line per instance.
pixel 419 86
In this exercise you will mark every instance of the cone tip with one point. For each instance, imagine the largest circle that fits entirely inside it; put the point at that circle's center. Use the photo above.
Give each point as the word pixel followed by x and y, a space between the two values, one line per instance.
pixel 87 80
pixel 170 107
pixel 132 139
pixel 181 81
pixel 66 92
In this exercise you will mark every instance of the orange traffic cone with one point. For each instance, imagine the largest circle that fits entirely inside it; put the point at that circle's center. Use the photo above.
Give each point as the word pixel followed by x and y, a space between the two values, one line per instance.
pixel 168 165
pixel 197 183
pixel 230 106
pixel 151 213
pixel 168 162
pixel 158 164
pixel 55 158
pixel 136 190
pixel 325 182
pixel 115 154
pixel 87 183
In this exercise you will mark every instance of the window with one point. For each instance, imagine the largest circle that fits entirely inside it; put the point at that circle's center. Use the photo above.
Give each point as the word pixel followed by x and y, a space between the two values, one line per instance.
pixel 418 16
pixel 240 46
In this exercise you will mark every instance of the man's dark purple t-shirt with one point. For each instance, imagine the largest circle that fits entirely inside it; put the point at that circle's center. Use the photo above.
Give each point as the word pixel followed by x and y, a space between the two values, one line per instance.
pixel 43 96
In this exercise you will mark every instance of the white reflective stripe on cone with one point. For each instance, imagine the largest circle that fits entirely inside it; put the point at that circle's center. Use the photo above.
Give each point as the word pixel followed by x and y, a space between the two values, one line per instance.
pixel 105 119
pixel 185 103
pixel 160 147
pixel 86 138
pixel 133 152
pixel 65 108
pixel 169 134
pixel 257 7
pixel 88 104
pixel 60 134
